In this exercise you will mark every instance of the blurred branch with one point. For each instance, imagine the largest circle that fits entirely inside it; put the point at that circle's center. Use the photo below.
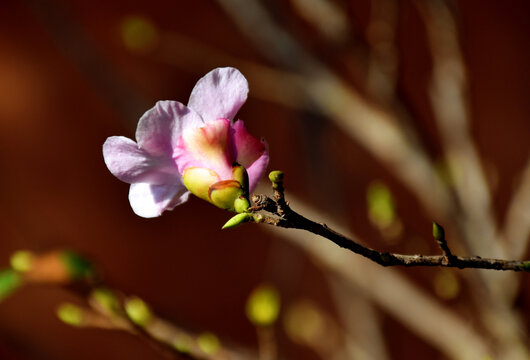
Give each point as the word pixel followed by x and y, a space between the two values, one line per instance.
pixel 364 337
pixel 326 16
pixel 517 226
pixel 281 215
pixel 78 48
pixel 383 64
pixel 448 94
pixel 110 309
pixel 371 127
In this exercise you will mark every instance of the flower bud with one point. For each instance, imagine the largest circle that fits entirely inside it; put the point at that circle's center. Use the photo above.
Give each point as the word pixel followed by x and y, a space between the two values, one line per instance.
pixel 241 204
pixel 223 194
pixel 239 174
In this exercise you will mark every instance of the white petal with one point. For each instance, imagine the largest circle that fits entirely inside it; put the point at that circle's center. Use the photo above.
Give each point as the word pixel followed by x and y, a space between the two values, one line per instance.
pixel 130 164
pixel 150 201
pixel 219 94
pixel 161 126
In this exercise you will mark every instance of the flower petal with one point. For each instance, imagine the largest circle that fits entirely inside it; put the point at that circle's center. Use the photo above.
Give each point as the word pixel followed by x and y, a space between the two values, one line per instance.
pixel 149 200
pixel 219 94
pixel 209 147
pixel 130 164
pixel 250 152
pixel 161 126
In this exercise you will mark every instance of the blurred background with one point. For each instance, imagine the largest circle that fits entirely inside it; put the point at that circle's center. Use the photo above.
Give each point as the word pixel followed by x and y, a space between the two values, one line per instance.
pixel 383 114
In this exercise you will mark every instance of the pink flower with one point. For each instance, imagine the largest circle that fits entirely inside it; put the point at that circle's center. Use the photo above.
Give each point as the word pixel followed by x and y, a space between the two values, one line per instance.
pixel 196 148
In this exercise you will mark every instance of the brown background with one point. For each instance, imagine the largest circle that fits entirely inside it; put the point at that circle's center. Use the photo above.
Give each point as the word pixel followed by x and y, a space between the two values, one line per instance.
pixel 67 82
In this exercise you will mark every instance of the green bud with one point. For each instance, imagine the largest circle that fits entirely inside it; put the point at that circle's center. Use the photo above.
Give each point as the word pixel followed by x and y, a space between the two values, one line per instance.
pixel 138 311
pixel 237 220
pixel 263 306
pixel 525 266
pixel 224 193
pixel 70 314
pixel 276 176
pixel 9 281
pixel 183 343
pixel 77 266
pixel 241 204
pixel 22 260
pixel 209 343
pixel 438 232
pixel 106 299
pixel 239 174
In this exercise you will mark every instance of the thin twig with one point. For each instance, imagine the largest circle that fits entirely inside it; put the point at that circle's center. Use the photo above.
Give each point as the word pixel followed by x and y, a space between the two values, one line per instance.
pixel 286 217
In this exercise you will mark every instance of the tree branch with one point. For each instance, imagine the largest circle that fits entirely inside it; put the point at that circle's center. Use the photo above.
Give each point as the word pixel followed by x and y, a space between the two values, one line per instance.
pixel 277 212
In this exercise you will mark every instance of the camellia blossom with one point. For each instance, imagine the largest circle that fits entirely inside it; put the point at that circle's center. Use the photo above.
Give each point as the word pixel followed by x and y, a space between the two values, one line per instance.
pixel 197 148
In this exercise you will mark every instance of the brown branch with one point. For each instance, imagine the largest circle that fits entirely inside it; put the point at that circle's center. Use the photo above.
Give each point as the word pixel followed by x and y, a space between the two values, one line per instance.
pixel 281 215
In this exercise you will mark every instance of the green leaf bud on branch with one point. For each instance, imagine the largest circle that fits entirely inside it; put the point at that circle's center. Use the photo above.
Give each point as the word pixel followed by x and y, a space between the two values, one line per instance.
pixel 10 280
pixel 438 232
pixel 70 314
pixel 208 343
pixel 237 220
pixel 22 260
pixel 138 311
pixel 77 266
pixel 276 178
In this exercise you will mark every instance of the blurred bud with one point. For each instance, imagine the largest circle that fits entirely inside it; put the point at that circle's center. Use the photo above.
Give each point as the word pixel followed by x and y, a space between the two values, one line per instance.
pixel 263 305
pixel 382 211
pixel 138 34
pixel 208 343
pixel 138 311
pixel 304 323
pixel 237 220
pixel 307 324
pixel 70 314
pixel 22 260
pixel 77 266
pixel 106 301
pixel 446 284
pixel 183 343
pixel 9 281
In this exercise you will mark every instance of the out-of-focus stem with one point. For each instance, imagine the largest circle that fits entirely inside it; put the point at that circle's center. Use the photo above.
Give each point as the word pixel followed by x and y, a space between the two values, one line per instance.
pixel 516 230
pixel 371 127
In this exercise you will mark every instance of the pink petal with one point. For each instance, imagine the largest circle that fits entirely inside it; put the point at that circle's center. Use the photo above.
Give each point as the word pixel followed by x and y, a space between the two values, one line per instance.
pixel 151 200
pixel 209 147
pixel 161 126
pixel 130 164
pixel 250 152
pixel 219 94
